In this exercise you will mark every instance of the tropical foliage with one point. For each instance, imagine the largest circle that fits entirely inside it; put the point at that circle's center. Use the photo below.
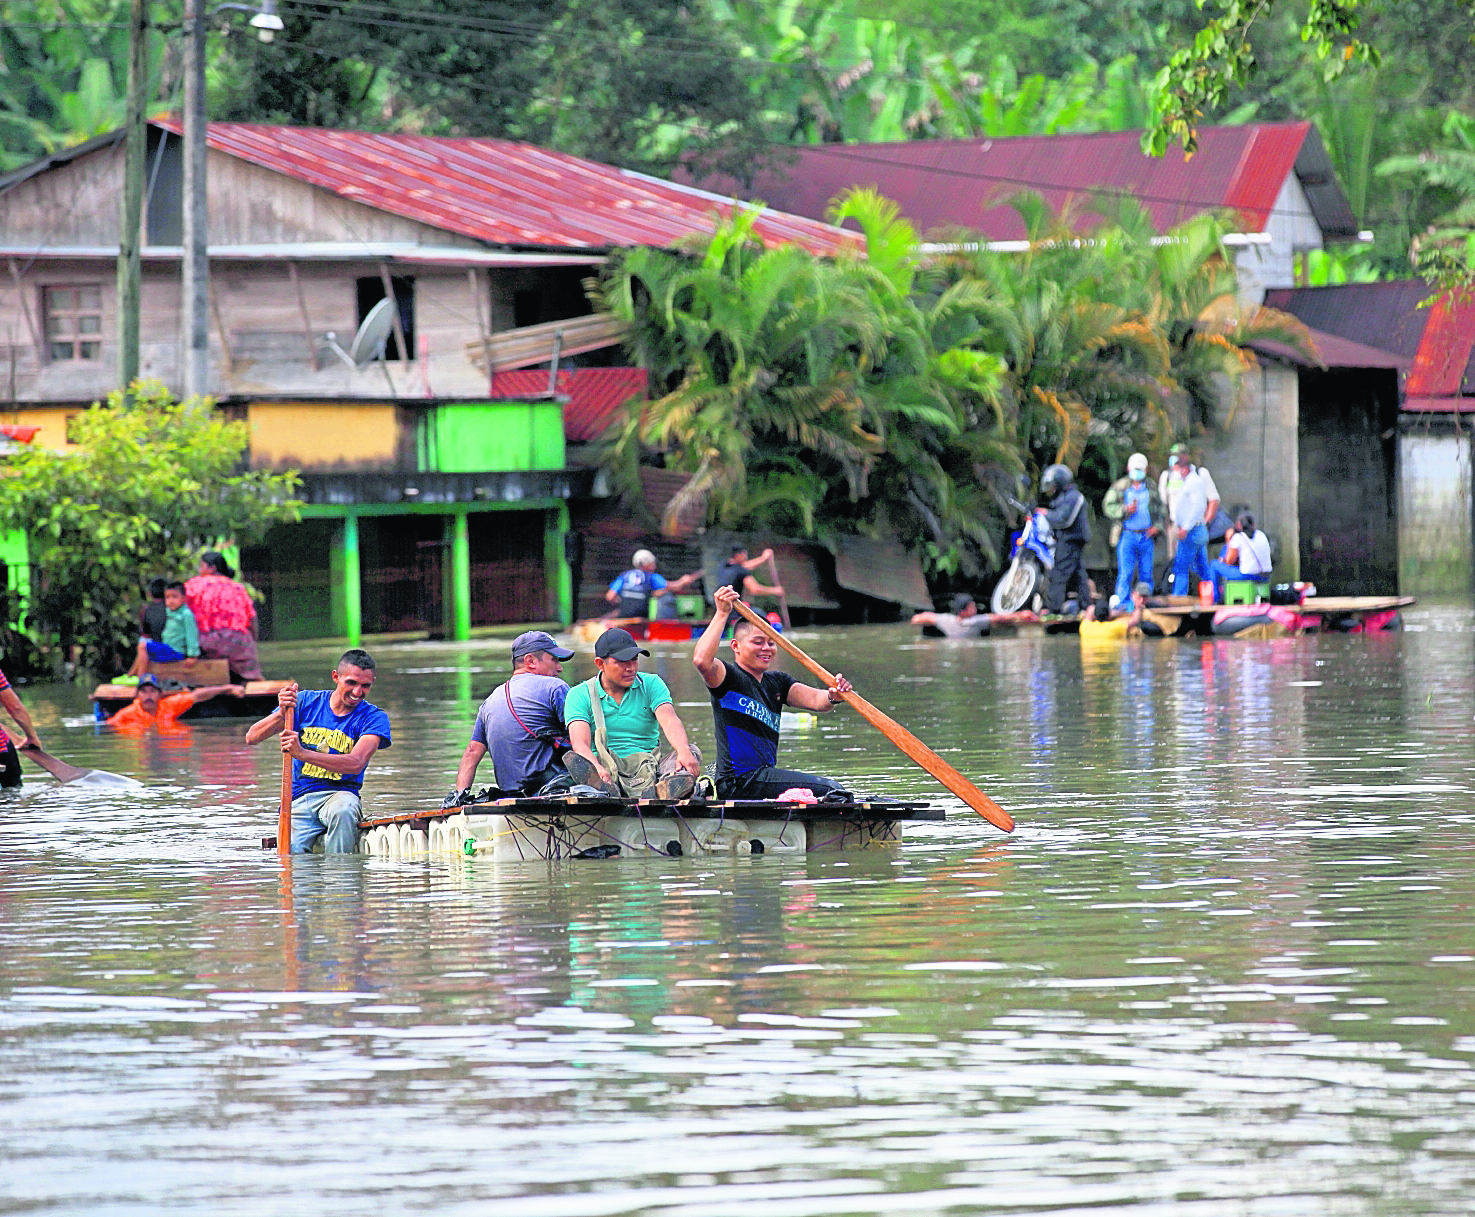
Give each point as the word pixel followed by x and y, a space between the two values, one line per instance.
pixel 152 482
pixel 897 395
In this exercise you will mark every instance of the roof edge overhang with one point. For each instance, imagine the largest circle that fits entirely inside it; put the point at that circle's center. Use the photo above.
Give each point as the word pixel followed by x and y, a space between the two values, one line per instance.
pixel 326 251
pixel 1328 201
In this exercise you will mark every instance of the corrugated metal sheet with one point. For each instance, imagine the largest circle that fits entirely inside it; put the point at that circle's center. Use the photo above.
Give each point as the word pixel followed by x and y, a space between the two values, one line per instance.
pixel 501 192
pixel 1443 355
pixel 1382 315
pixel 883 570
pixel 1333 352
pixel 942 184
pixel 1438 342
pixel 594 394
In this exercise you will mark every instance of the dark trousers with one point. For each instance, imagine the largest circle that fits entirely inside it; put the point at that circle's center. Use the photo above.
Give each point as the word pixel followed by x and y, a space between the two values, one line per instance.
pixel 9 766
pixel 769 783
pixel 1068 573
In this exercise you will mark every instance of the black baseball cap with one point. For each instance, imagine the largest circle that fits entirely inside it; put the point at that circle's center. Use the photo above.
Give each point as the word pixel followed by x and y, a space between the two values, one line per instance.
pixel 539 640
pixel 618 644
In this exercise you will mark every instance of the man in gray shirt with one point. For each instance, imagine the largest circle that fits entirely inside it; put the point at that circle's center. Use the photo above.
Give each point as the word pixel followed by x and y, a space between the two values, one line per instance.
pixel 520 722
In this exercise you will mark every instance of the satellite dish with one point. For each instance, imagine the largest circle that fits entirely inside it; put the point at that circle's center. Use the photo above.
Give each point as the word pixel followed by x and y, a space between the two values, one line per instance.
pixel 372 337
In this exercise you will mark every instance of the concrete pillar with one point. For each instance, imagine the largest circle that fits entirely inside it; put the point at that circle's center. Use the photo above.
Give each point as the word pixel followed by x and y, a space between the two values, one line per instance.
pixel 559 577
pixel 1254 457
pixel 347 588
pixel 1435 554
pixel 460 622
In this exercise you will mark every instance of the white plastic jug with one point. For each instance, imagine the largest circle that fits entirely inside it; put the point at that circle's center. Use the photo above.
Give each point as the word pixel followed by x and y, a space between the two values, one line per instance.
pixel 776 837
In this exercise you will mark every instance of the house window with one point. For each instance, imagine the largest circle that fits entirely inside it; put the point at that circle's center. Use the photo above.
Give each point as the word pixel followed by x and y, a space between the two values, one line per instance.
pixel 371 291
pixel 74 321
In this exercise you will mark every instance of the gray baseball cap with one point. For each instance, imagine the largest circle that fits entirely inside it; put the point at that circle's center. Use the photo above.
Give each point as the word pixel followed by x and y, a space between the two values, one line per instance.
pixel 539 640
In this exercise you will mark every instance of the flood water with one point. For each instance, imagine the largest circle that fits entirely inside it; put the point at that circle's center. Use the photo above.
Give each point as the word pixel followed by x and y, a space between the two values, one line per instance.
pixel 1224 967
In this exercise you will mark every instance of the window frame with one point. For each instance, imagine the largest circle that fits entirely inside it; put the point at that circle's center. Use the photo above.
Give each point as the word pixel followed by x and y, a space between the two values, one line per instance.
pixel 76 338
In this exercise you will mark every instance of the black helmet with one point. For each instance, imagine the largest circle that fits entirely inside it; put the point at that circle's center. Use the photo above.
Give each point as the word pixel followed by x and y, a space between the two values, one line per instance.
pixel 1055 479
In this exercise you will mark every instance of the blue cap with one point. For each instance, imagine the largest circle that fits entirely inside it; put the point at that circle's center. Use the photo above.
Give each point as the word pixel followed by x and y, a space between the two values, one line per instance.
pixel 539 640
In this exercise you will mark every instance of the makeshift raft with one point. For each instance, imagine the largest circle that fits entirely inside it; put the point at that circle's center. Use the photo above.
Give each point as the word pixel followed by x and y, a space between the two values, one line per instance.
pixel 520 830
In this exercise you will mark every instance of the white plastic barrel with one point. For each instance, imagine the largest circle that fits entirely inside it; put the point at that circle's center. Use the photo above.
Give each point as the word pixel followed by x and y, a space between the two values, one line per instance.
pixel 827 835
pixel 777 836
pixel 714 836
pixel 638 837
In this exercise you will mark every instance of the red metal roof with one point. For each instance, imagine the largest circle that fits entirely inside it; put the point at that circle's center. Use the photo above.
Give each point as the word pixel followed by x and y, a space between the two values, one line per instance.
pixel 942 184
pixel 1437 342
pixel 502 192
pixel 1444 352
pixel 595 394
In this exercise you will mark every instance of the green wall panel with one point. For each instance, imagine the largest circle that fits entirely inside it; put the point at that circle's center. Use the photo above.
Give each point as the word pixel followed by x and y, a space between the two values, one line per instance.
pixel 492 437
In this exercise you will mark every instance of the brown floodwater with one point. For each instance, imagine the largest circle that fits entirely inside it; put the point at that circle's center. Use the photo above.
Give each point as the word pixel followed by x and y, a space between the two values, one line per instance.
pixel 1224 968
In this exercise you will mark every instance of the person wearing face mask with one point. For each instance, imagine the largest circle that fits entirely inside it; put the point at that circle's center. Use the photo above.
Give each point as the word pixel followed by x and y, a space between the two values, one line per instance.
pixel 1135 508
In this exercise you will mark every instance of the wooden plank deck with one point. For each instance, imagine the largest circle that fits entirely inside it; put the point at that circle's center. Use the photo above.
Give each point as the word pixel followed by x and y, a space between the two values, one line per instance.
pixel 737 809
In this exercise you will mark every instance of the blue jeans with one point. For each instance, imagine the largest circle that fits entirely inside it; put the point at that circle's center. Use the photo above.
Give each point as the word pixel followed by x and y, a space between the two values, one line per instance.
pixel 1133 562
pixel 162 652
pixel 1191 560
pixel 332 815
pixel 769 783
pixel 1223 572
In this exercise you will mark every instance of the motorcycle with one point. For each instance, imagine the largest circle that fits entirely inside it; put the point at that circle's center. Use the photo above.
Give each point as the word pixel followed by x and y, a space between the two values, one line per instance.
pixel 1033 557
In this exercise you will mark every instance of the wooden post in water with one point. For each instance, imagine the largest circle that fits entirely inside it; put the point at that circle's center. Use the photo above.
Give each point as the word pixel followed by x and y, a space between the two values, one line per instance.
pixel 284 812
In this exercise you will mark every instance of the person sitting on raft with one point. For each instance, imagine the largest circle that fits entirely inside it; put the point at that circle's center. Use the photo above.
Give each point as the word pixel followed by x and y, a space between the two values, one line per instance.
pixel 632 591
pixel 748 698
pixel 225 616
pixel 965 621
pixel 521 723
pixel 178 641
pixel 1246 556
pixel 150 708
pixel 615 721
pixel 335 735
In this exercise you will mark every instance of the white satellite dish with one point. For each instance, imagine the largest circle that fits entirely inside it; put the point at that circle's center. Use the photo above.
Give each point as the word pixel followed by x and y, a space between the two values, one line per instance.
pixel 372 337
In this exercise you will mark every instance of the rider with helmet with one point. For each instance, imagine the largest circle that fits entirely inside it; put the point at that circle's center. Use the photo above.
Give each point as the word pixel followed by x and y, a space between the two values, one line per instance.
pixel 1071 521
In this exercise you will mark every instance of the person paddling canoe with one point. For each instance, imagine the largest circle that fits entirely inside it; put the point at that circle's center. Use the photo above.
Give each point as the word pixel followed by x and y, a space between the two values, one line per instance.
pixel 747 700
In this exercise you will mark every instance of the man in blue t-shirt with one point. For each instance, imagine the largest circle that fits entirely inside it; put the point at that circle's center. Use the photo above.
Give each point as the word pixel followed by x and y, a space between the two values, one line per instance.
pixel 520 724
pixel 335 734
pixel 747 703
pixel 631 591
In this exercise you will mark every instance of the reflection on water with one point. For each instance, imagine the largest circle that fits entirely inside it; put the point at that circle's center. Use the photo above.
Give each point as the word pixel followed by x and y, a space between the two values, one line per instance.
pixel 1225 966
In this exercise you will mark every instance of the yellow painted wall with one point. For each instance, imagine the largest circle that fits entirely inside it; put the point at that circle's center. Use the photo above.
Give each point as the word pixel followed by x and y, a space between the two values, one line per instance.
pixel 322 436
pixel 51 419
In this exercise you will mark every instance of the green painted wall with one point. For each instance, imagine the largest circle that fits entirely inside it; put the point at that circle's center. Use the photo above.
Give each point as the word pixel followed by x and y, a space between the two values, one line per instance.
pixel 491 437
pixel 15 552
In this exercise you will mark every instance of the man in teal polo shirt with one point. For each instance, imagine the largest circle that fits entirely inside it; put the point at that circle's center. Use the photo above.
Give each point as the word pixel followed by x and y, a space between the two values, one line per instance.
pixel 615 721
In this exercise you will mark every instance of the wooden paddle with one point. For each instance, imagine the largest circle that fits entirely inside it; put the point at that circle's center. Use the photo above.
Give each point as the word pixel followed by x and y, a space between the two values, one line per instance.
pixel 284 812
pixel 60 770
pixel 783 601
pixel 896 733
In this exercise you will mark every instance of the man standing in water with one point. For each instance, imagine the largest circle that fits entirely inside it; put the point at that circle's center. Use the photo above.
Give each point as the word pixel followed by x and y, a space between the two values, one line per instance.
pixel 748 698
pixel 337 732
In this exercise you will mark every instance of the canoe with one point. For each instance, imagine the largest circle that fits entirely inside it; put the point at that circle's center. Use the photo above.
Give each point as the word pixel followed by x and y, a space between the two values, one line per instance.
pixel 260 700
pixel 519 830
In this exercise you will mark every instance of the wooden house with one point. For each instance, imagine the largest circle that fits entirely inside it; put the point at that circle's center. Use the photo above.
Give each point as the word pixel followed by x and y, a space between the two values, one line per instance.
pixel 436 479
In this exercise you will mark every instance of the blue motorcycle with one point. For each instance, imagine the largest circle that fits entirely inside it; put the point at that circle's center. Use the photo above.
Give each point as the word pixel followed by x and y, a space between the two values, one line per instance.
pixel 1033 557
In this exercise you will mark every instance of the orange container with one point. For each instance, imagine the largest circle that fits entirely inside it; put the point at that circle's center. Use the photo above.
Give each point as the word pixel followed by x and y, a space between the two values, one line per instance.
pixel 1205 593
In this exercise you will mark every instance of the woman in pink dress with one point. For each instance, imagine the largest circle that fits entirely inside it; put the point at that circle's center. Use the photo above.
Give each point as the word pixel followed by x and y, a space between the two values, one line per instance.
pixel 225 615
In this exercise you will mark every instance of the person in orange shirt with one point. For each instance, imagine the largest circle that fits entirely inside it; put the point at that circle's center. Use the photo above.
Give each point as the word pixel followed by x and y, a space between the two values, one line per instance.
pixel 150 707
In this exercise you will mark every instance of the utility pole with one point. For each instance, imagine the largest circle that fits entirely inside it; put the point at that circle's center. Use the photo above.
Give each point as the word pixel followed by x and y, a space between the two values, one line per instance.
pixel 196 286
pixel 130 220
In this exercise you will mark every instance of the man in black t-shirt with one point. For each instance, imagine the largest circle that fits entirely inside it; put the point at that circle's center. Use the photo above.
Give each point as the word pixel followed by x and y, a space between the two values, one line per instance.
pixel 747 699
pixel 738 570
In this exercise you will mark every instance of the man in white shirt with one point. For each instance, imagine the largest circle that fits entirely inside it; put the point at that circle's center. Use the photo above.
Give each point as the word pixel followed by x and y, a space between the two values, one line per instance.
pixel 1192 508
pixel 1246 556
pixel 1170 482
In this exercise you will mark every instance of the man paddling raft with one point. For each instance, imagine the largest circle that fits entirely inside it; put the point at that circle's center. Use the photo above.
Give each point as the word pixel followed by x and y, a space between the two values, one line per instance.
pixel 748 698
pixel 336 733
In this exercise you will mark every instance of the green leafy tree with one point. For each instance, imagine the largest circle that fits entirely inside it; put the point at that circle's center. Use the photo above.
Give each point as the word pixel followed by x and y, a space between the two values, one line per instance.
pixel 152 482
